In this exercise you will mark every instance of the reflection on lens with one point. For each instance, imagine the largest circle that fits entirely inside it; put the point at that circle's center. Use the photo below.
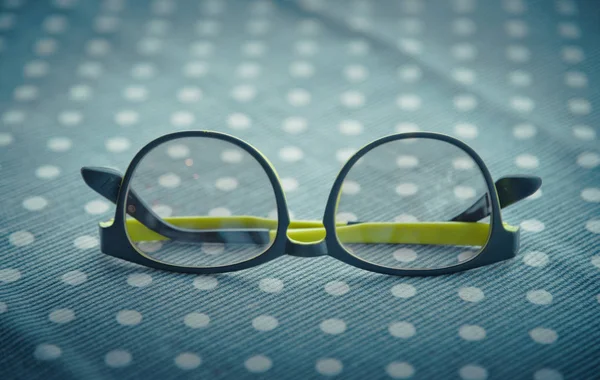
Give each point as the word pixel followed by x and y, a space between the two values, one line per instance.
pixel 200 202
pixel 411 206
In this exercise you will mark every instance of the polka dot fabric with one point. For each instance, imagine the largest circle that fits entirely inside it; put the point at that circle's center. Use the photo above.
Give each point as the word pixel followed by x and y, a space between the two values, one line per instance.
pixel 307 82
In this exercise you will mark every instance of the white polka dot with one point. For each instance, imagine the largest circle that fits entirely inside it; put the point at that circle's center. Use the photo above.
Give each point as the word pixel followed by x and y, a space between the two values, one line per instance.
pixel 350 187
pixel 291 154
pixel 566 8
pixel 356 73
pixel 226 184
pixel 333 326
pixel 520 78
pixel 70 118
pixel 254 48
pixel 26 93
pixel 464 192
pixel 212 248
pixel 135 94
pixel 400 370
pixel 35 203
pixel 464 51
pixel 96 207
pixel 591 195
pixel 518 53
pixel 593 226
pixel 407 189
pixel 143 70
pixel 596 261
pixel 514 6
pixel 466 256
pixel 55 24
pixel 351 127
pixel 471 294
pixel 90 70
pixel 56 144
pixel 74 277
pixel 524 131
pixel 80 93
pixel 344 217
pixel 306 47
pixel 127 118
pixel 45 47
pixel 535 195
pixel 473 372
pixel 129 317
pixel 117 358
pixel 258 364
pixel 532 225
pixel 219 211
pixel 21 238
pixel 535 259
pixel 302 69
pixel 195 69
pixel 406 218
pixel 36 69
pixel 139 280
pixel 9 275
pixel 410 46
pixel 466 131
pixel 106 24
pixel 344 154
pixel 248 70
pixel 188 361
pixel 182 119
pixel 547 374
pixel 97 48
pixel 352 99
pixel 178 151
pixel 402 330
pixel 196 320
pixel 149 46
pixel 329 367
pixel 471 332
pixel 522 104
pixel 295 125
pixel 264 323
pixel 169 180
pixel 539 297
pixel 289 184
pixel 243 93
pixel 337 288
pixel 573 54
pixel 238 121
pixel 584 132
pixel 580 106
pixel 86 242
pixel 410 73
pixel 47 172
pixel 47 352
pixel 409 102
pixel 403 291
pixel 588 160
pixel 516 28
pixel 465 102
pixel 13 117
pixel 205 282
pixel 405 255
pixel 569 30
pixel 149 246
pixel 61 316
pixel 189 94
pixel 117 144
pixel 464 76
pixel 543 336
pixel 463 26
pixel 232 156
pixel 298 97
pixel 271 285
pixel 3 307
pixel 527 161
pixel 576 79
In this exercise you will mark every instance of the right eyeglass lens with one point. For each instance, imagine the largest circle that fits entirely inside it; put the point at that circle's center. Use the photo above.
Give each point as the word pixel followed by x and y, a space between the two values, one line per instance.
pixel 398 202
pixel 211 204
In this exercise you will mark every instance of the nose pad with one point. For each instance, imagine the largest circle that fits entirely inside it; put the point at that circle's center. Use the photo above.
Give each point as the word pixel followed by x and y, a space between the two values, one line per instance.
pixel 306 242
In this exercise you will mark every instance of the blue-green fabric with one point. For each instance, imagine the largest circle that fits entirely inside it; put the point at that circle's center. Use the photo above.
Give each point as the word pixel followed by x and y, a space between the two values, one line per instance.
pixel 307 83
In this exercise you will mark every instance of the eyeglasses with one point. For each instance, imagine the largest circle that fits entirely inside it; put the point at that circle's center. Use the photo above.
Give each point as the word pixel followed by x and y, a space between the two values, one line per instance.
pixel 407 204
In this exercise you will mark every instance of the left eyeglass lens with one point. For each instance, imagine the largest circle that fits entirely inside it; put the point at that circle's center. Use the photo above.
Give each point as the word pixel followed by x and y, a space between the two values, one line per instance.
pixel 200 202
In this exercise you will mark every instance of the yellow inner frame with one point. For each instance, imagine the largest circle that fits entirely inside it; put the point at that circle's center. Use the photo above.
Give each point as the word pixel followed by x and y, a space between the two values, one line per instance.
pixel 307 231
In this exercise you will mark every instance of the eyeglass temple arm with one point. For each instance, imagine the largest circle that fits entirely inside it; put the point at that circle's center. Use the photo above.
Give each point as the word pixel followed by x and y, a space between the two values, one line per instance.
pixel 510 190
pixel 107 182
